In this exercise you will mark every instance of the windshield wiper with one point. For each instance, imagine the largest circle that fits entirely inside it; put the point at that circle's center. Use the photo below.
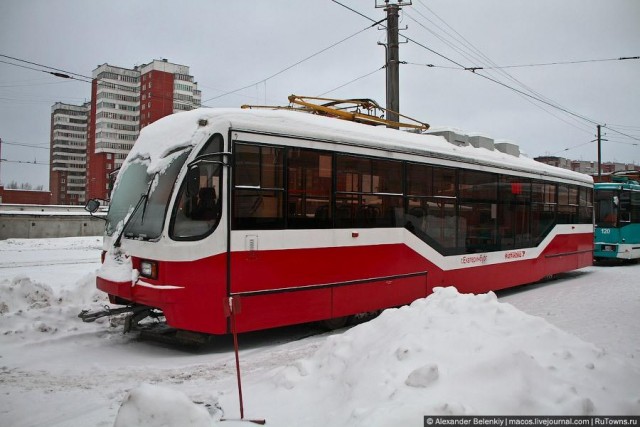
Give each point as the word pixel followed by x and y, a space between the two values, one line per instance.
pixel 144 198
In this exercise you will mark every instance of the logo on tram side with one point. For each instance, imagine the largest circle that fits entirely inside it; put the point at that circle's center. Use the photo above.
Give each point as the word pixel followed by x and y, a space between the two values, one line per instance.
pixel 474 259
pixel 514 255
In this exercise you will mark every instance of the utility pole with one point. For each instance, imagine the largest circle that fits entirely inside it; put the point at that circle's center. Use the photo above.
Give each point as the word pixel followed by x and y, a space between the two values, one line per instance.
pixel 599 156
pixel 392 54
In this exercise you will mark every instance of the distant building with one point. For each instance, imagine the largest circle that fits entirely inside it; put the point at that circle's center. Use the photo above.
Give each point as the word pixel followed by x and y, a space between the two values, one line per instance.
pixel 587 167
pixel 123 101
pixel 68 154
pixel 559 162
pixel 24 197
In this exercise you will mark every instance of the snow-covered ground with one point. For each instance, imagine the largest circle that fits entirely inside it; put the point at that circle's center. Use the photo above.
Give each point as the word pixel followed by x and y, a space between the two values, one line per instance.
pixel 570 346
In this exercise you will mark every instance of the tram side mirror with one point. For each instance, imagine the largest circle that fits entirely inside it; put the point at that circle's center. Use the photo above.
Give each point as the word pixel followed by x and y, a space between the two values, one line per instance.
pixel 193 180
pixel 92 205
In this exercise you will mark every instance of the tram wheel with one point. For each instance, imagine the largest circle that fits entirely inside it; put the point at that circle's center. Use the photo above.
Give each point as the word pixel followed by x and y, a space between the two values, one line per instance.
pixel 335 323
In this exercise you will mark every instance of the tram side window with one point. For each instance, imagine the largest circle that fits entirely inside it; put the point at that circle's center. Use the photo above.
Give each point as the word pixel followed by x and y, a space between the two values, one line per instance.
pixel 629 206
pixel 606 208
pixel 368 192
pixel 635 207
pixel 514 215
pixel 567 204
pixel 431 206
pixel 258 187
pixel 543 209
pixel 478 207
pixel 309 178
pixel 196 215
pixel 585 215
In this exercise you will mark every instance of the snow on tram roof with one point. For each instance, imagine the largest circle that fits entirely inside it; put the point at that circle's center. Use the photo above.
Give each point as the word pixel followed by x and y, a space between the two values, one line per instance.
pixel 184 129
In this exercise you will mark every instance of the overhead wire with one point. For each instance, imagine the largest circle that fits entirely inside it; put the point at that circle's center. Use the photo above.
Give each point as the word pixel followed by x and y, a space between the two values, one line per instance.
pixel 482 58
pixel 103 84
pixel 351 81
pixel 294 64
pixel 535 96
pixel 25 162
pixel 25 145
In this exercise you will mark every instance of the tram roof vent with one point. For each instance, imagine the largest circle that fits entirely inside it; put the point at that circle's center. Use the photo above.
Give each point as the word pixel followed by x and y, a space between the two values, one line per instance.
pixel 508 148
pixel 480 141
pixel 453 137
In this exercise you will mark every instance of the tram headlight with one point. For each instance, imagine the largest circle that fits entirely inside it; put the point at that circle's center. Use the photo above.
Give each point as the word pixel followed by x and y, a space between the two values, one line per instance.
pixel 149 269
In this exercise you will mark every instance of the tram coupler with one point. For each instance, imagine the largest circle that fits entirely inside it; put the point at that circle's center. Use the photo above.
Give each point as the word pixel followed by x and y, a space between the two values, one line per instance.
pixel 136 314
pixel 91 316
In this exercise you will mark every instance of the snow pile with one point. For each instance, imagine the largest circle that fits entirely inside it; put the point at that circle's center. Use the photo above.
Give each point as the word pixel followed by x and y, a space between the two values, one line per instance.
pixel 22 293
pixel 448 354
pixel 155 406
pixel 451 354
pixel 28 305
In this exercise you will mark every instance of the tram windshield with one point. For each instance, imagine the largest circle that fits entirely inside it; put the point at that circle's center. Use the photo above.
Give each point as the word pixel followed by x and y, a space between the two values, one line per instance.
pixel 606 208
pixel 137 183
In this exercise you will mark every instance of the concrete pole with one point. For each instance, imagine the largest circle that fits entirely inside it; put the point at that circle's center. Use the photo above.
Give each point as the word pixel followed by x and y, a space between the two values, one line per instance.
pixel 599 156
pixel 393 63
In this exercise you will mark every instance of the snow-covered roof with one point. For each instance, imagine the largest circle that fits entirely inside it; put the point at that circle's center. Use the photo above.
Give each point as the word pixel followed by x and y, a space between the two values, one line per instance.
pixel 183 129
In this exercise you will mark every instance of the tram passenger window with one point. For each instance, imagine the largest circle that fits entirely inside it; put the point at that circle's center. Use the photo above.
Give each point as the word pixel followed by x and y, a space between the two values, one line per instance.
pixel 514 214
pixel 586 206
pixel 435 221
pixel 258 196
pixel 353 174
pixel 444 182
pixel 514 189
pixel 368 192
pixel 543 209
pixel 606 209
pixel 387 176
pixel 513 225
pixel 480 234
pixel 478 192
pixel 625 206
pixel 567 204
pixel 419 179
pixel 426 180
pixel 543 219
pixel 563 194
pixel 247 165
pixel 257 209
pixel 635 207
pixel 480 186
pixel 543 192
pixel 309 178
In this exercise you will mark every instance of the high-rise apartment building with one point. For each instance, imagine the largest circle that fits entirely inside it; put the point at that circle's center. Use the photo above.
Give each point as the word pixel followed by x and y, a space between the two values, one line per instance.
pixel 68 154
pixel 114 124
pixel 125 100
pixel 166 88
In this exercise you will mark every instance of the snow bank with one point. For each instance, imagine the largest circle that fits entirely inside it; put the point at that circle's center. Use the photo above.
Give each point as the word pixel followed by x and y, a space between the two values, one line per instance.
pixel 448 354
pixel 452 354
pixel 155 406
pixel 27 305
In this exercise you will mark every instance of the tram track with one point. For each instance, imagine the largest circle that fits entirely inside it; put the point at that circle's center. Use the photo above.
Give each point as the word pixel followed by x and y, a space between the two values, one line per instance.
pixel 19 264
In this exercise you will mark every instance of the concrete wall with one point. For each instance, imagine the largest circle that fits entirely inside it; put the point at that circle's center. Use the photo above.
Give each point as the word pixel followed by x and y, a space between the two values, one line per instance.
pixel 29 223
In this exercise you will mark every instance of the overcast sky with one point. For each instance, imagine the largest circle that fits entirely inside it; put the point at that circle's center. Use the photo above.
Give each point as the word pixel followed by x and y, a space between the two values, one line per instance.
pixel 232 44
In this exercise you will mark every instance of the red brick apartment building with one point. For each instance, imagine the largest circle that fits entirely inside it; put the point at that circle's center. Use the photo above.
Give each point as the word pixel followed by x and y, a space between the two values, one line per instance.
pixel 123 101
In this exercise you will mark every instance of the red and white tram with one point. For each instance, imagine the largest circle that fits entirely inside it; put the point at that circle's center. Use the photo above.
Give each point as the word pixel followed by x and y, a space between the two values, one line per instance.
pixel 304 218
